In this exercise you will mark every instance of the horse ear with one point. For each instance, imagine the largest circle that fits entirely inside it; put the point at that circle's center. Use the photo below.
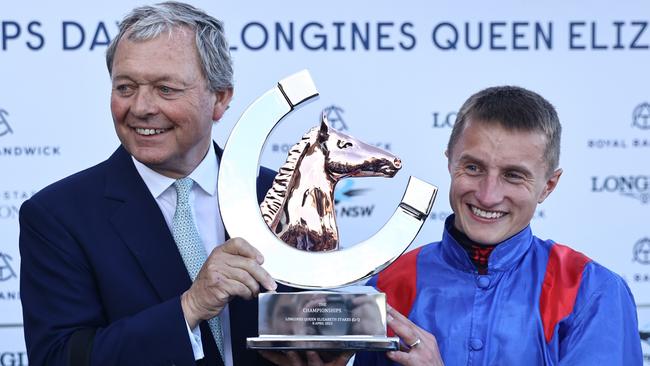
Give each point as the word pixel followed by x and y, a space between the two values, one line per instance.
pixel 323 133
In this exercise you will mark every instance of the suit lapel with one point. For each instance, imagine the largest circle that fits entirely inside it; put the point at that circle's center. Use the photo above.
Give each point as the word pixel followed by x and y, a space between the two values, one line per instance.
pixel 143 229
pixel 140 224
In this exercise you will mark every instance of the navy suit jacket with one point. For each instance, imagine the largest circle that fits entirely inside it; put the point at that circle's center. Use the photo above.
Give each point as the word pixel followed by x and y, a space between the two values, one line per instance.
pixel 101 276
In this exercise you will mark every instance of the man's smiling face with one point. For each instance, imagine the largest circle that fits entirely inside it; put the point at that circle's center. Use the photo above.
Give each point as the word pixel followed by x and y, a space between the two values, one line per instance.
pixel 498 177
pixel 162 108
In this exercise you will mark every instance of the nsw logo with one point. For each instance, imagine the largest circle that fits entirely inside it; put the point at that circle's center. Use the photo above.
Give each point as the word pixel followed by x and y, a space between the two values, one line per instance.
pixel 641 116
pixel 642 251
pixel 6 271
pixel 345 193
pixel 5 128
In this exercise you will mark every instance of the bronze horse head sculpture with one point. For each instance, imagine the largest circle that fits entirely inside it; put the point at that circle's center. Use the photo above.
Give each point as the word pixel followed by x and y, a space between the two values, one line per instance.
pixel 299 207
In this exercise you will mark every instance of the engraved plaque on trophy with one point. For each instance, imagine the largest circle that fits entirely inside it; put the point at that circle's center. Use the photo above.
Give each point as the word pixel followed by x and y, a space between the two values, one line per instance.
pixel 295 227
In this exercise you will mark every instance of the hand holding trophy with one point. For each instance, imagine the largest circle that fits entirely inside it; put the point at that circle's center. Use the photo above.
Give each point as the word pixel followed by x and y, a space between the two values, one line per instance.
pixel 296 229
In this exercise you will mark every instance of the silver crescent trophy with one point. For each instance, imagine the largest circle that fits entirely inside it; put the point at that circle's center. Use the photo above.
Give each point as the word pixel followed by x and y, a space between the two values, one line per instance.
pixel 295 227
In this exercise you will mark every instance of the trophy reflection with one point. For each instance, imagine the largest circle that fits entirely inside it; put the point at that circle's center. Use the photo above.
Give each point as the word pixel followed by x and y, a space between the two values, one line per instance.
pixel 320 314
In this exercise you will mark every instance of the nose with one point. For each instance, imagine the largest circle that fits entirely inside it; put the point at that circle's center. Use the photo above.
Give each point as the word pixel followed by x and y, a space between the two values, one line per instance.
pixel 397 163
pixel 144 104
pixel 490 191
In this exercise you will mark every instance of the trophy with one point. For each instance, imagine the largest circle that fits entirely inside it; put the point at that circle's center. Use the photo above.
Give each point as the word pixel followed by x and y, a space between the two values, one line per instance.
pixel 294 228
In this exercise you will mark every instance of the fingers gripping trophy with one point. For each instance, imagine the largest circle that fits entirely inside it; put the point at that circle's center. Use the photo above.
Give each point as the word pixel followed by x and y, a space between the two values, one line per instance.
pixel 295 227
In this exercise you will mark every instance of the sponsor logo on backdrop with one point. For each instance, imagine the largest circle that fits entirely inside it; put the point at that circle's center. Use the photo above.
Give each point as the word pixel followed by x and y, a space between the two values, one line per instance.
pixel 443 119
pixel 641 256
pixel 8 275
pixel 632 186
pixel 345 191
pixel 7 271
pixel 641 116
pixel 13 358
pixel 640 121
pixel 337 121
pixel 346 197
pixel 10 202
pixel 22 150
pixel 5 128
pixel 642 251
pixel 334 115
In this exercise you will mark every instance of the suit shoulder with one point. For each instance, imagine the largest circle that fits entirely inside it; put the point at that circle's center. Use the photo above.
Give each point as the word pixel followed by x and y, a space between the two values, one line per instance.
pixel 73 184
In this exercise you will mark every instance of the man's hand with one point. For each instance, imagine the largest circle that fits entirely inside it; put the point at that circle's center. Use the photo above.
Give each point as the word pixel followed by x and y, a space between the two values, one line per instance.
pixel 232 269
pixel 424 347
pixel 310 358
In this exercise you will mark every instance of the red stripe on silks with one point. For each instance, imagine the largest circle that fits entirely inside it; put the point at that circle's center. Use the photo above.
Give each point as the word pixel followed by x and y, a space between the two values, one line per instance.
pixel 398 282
pixel 560 286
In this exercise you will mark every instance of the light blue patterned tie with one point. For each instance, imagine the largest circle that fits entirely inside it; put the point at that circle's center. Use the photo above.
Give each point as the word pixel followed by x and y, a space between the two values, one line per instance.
pixel 189 244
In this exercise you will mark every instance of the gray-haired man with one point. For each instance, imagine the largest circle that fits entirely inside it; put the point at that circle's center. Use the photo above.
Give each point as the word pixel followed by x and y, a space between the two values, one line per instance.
pixel 127 262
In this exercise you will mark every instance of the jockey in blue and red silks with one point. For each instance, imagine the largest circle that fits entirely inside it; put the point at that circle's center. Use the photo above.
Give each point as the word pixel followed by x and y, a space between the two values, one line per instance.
pixel 492 293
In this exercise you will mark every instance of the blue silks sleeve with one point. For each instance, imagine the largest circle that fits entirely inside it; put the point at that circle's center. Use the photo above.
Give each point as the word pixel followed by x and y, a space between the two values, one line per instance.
pixel 603 328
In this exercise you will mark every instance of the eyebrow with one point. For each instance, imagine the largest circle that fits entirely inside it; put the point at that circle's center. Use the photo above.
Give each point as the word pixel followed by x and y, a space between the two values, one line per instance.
pixel 160 79
pixel 470 158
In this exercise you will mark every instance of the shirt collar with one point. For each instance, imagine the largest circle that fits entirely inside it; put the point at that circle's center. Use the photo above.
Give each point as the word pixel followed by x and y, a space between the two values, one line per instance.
pixel 505 255
pixel 204 175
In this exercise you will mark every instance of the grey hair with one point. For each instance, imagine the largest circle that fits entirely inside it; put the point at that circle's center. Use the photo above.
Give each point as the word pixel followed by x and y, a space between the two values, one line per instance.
pixel 148 22
pixel 515 109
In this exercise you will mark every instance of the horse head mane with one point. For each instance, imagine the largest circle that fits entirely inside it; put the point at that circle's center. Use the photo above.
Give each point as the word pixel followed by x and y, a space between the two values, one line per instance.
pixel 276 196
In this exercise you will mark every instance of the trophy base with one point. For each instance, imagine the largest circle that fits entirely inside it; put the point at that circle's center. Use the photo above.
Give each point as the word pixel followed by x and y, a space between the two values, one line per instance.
pixel 356 343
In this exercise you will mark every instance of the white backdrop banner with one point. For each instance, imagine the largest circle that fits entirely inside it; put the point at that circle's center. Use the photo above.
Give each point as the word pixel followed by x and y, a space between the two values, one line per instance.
pixel 392 75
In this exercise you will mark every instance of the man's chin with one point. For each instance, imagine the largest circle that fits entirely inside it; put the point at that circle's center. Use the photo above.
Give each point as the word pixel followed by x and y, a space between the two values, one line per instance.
pixel 148 155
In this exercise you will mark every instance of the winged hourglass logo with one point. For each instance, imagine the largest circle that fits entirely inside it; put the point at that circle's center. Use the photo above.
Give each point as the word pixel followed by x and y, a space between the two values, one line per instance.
pixel 5 128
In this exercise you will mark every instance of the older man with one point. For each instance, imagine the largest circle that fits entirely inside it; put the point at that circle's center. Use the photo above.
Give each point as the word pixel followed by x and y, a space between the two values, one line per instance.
pixel 491 293
pixel 127 263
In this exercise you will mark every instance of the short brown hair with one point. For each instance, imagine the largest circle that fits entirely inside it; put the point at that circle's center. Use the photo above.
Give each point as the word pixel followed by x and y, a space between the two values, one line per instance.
pixel 515 109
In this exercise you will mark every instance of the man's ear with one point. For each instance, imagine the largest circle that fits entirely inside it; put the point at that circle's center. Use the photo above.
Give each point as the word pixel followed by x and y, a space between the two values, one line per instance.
pixel 550 185
pixel 221 103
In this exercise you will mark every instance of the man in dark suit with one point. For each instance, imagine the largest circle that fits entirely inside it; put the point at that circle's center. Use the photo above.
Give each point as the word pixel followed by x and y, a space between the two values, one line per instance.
pixel 109 255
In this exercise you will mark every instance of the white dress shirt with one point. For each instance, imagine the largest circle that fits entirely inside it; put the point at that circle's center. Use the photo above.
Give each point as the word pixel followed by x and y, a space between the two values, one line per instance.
pixel 205 208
